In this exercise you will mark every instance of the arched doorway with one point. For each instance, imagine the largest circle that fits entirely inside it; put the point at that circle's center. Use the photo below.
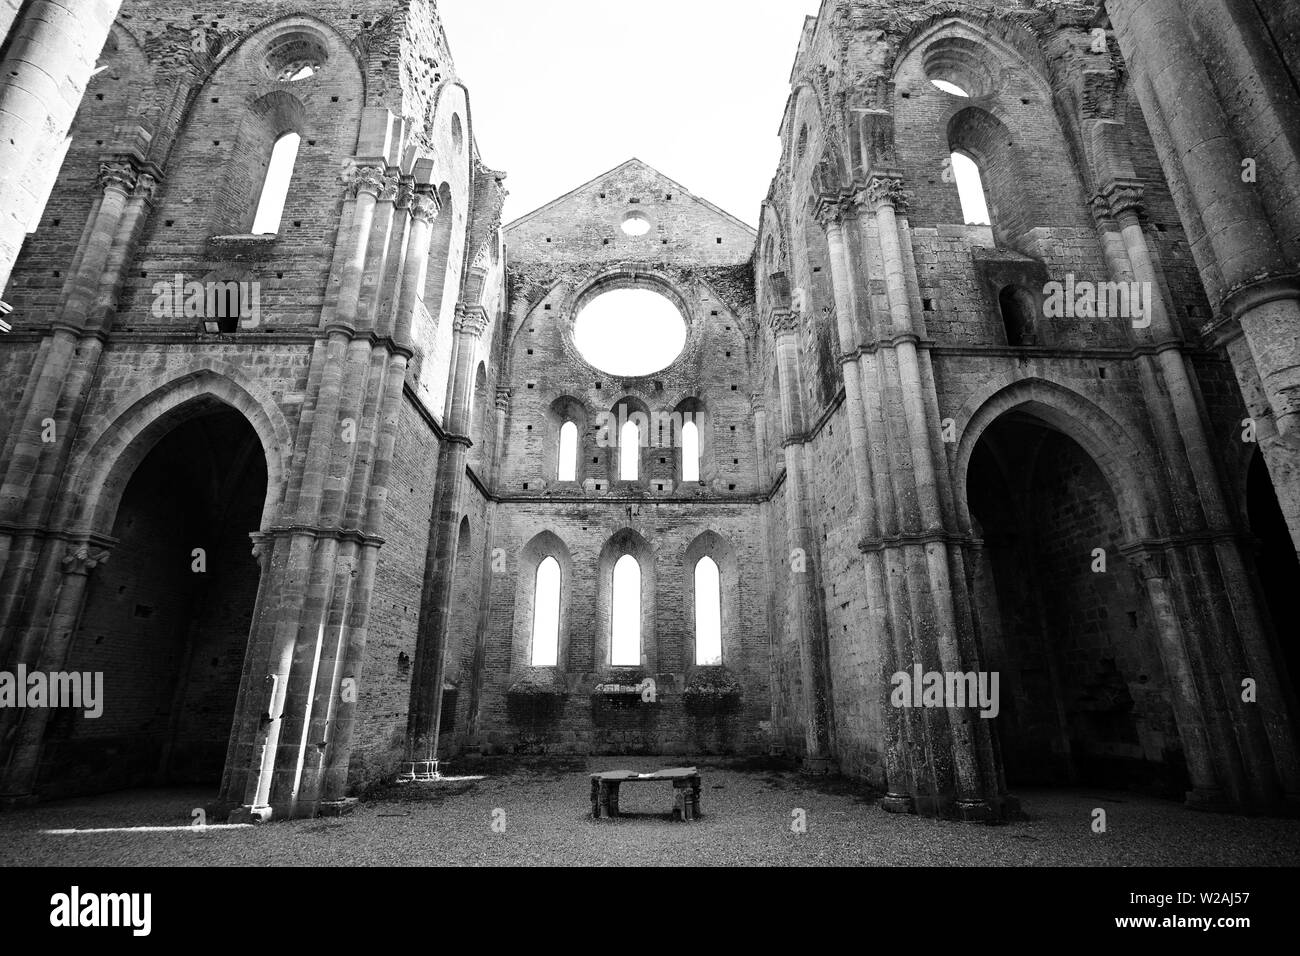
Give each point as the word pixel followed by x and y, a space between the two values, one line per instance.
pixel 1063 619
pixel 1276 564
pixel 166 619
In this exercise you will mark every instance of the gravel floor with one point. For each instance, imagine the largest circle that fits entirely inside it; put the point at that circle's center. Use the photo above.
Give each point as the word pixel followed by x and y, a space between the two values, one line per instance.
pixel 748 818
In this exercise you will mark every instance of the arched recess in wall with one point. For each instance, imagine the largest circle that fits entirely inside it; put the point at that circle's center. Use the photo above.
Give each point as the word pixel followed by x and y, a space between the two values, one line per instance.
pixel 627 420
pixel 167 619
pixel 1084 698
pixel 1108 443
pixel 813 276
pixel 301 59
pixel 986 140
pixel 543 546
pixel 101 467
pixel 434 332
pixel 565 410
pixel 480 424
pixel 626 543
pixel 693 442
pixel 1277 567
pixel 1019 311
pixel 720 551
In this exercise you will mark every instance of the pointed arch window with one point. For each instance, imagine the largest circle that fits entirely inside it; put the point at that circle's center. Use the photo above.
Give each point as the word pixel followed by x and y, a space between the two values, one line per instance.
pixel 690 452
pixel 629 451
pixel 708 613
pixel 970 187
pixel 568 470
pixel 625 613
pixel 275 187
pixel 546 614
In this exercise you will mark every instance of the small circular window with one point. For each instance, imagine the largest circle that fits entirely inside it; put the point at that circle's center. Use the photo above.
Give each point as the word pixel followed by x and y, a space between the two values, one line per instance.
pixel 296 55
pixel 630 332
pixel 959 67
pixel 636 224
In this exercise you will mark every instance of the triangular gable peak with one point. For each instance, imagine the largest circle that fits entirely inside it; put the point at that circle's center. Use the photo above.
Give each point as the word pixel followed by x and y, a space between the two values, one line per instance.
pixel 631 213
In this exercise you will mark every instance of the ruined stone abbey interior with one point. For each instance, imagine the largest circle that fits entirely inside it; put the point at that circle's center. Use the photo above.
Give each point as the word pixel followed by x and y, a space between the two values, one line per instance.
pixel 386 505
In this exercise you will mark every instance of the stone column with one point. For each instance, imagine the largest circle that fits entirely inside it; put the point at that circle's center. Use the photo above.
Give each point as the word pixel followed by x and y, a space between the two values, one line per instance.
pixel 759 409
pixel 961 751
pixel 802 550
pixel 1187 703
pixel 1234 638
pixel 312 557
pixel 433 640
pixel 499 424
pixel 879 633
pixel 49 56
pixel 1261 289
pixel 23 731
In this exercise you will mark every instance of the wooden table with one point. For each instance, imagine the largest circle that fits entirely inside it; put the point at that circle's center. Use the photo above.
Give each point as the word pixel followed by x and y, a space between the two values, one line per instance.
pixel 685 781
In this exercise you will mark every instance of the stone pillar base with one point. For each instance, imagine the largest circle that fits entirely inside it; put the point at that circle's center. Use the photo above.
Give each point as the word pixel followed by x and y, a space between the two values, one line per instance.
pixel 14 800
pixel 338 808
pixel 974 811
pixel 250 814
pixel 897 803
pixel 817 766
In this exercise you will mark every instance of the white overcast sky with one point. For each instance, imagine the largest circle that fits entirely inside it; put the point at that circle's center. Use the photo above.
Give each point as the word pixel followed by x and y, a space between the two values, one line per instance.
pixel 564 90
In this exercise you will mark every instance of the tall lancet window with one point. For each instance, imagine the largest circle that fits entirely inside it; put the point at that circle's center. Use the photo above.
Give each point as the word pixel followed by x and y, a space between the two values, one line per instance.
pixel 275 188
pixel 546 614
pixel 708 613
pixel 625 613
pixel 568 452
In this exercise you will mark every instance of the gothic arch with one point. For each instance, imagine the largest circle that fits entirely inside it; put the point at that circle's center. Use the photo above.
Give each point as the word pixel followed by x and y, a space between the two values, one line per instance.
pixel 1109 443
pixel 99 472
pixel 710 544
pixel 543 545
pixel 625 541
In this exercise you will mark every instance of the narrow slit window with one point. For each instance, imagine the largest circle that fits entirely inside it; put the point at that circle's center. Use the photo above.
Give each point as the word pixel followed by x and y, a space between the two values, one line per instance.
pixel 275 188
pixel 625 607
pixel 690 452
pixel 708 613
pixel 970 187
pixel 568 452
pixel 546 614
pixel 629 451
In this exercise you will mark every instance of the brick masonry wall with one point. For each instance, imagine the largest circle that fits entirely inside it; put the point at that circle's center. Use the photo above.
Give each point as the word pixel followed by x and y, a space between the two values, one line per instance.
pixel 385 685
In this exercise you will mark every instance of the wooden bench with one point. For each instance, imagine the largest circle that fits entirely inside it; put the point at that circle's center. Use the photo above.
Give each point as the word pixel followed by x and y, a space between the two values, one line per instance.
pixel 685 781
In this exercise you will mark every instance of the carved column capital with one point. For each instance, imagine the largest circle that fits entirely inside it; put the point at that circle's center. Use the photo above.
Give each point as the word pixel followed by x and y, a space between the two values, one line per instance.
pixel 82 559
pixel 391 186
pixel 471 320
pixel 263 545
pixel 831 211
pixel 503 399
pixel 146 186
pixel 425 204
pixel 784 322
pixel 363 179
pixel 405 193
pixel 884 191
pixel 1125 198
pixel 117 174
pixel 757 404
